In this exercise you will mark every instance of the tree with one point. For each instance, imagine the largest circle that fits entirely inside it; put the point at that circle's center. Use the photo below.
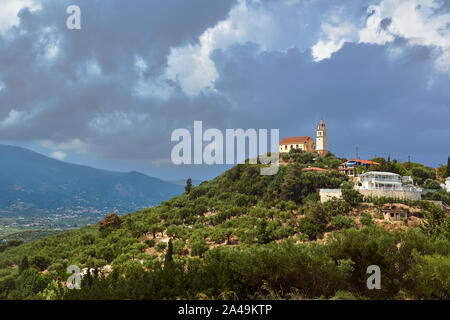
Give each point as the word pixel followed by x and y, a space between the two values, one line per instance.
pixel 429 276
pixel 318 215
pixel 168 259
pixel 366 219
pixel 307 226
pixel 40 262
pixel 342 222
pixel 198 246
pixel 24 265
pixel 431 184
pixel 420 174
pixel 385 166
pixel 291 187
pixel 352 196
pixel 188 186
pixel 155 228
pixel 434 217
pixel 112 220
pixel 448 167
pixel 29 283
pixel 263 233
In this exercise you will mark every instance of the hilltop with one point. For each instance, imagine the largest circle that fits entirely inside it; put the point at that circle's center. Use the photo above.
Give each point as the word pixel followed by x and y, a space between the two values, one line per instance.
pixel 244 235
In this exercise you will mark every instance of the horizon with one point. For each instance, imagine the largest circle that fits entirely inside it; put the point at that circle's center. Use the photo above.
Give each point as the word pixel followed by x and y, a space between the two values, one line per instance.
pixel 130 170
pixel 376 71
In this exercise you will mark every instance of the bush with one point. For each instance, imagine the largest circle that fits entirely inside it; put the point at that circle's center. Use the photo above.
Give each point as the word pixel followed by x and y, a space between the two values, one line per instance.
pixel 198 246
pixel 160 246
pixel 309 228
pixel 112 220
pixel 366 219
pixel 150 242
pixel 341 222
pixel 431 184
pixel 343 295
pixel 352 196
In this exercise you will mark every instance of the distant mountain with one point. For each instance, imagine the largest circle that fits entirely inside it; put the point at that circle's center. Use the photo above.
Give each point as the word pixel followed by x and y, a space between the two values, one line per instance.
pixel 33 183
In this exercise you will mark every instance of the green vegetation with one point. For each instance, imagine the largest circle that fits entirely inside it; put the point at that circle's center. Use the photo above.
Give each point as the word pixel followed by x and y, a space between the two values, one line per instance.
pixel 241 235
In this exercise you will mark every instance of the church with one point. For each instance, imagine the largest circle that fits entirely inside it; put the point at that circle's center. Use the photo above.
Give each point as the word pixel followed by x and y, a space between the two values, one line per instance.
pixel 306 143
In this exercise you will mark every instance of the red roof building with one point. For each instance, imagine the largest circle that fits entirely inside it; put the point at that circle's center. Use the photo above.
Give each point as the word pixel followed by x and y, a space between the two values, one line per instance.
pixel 349 167
pixel 304 143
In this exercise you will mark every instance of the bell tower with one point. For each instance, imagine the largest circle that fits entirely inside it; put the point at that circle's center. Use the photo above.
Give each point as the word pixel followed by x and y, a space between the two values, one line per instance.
pixel 321 138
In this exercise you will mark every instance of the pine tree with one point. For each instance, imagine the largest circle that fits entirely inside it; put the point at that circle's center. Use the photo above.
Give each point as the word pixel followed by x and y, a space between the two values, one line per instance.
pixel 169 254
pixel 24 265
pixel 188 186
pixel 448 167
pixel 263 235
pixel 291 187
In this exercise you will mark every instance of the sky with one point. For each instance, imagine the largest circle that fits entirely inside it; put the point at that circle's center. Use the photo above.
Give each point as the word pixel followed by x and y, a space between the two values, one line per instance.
pixel 110 94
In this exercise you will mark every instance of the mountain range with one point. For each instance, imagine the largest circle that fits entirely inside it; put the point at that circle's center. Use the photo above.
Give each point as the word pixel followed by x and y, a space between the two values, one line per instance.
pixel 33 183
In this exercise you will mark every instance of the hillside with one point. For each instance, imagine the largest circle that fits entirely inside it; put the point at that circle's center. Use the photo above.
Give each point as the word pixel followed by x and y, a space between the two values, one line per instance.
pixel 31 183
pixel 247 236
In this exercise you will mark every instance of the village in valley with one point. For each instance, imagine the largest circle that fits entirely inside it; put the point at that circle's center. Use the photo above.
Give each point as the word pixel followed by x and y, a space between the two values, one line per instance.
pixel 367 176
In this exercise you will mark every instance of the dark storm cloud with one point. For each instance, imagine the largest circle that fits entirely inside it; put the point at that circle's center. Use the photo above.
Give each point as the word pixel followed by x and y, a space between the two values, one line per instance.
pixel 383 101
pixel 87 90
pixel 62 84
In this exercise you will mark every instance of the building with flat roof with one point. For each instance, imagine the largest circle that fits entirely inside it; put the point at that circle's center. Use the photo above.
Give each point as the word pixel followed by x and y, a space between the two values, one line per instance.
pixel 376 180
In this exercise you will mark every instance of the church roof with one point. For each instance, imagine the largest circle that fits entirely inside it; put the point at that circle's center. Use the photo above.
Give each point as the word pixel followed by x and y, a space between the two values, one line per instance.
pixel 291 140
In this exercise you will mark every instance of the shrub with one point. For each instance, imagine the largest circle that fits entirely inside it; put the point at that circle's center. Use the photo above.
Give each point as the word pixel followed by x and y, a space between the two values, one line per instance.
pixel 366 219
pixel 341 222
pixel 352 196
pixel 160 246
pixel 343 295
pixel 150 242
pixel 308 227
pixel 111 220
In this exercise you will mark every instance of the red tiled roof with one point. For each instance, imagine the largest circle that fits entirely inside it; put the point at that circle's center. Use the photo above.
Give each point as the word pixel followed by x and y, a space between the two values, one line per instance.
pixel 362 161
pixel 291 140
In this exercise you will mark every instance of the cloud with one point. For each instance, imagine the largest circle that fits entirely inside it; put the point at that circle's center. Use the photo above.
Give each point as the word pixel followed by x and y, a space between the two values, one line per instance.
pixel 336 36
pixel 420 22
pixel 85 86
pixel 368 97
pixel 13 118
pixel 59 155
pixel 117 88
pixel 9 12
pixel 273 25
pixel 74 145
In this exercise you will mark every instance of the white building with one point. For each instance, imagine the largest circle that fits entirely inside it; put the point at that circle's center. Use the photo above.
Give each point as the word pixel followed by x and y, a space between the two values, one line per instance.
pixel 375 184
pixel 375 180
pixel 447 184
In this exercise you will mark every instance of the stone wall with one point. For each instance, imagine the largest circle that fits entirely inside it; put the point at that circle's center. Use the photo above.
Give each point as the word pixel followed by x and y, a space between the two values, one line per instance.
pixel 406 195
pixel 328 194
